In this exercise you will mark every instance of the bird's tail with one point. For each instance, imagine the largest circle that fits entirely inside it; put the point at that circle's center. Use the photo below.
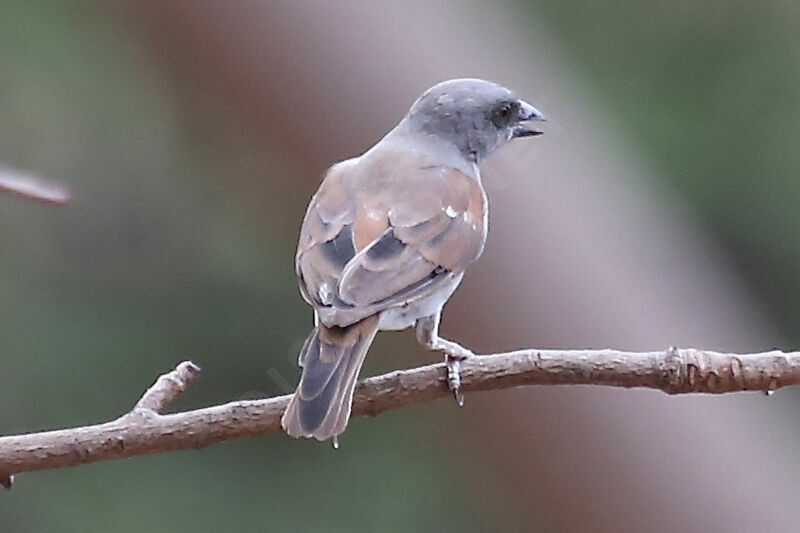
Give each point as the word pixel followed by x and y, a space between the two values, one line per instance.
pixel 331 359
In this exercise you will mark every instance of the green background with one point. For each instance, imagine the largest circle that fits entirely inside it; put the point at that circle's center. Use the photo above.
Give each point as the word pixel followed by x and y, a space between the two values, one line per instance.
pixel 161 257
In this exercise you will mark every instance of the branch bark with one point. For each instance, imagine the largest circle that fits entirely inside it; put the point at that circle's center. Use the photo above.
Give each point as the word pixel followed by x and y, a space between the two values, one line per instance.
pixel 144 431
pixel 32 187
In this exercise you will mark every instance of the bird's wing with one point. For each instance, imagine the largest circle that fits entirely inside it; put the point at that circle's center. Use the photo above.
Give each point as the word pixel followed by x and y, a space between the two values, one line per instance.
pixel 380 236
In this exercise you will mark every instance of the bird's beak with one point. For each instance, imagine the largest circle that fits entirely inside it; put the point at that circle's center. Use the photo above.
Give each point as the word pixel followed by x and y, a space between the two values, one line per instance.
pixel 527 112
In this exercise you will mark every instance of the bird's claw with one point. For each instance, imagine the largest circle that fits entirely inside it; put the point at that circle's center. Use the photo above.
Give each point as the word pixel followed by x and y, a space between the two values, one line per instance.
pixel 454 378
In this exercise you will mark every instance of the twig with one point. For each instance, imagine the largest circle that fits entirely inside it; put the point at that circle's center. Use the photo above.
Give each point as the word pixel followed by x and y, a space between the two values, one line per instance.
pixel 143 431
pixel 32 187
pixel 167 387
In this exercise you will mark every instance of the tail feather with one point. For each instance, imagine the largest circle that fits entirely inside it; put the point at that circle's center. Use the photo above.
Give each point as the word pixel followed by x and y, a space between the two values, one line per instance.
pixel 331 359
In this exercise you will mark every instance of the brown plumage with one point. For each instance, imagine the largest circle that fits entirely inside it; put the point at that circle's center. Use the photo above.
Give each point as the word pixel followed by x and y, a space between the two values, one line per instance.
pixel 373 232
pixel 384 243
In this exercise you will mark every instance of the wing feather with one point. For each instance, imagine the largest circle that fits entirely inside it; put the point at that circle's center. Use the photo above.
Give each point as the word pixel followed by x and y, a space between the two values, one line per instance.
pixel 376 237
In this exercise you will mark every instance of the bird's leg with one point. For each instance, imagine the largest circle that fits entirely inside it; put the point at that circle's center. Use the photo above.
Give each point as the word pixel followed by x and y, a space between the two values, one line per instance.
pixel 454 353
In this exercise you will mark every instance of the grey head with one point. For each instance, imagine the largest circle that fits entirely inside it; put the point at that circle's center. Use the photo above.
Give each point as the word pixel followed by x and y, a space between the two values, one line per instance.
pixel 475 116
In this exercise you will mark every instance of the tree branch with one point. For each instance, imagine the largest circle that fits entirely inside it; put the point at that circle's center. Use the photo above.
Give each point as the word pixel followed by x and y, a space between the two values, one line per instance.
pixel 32 187
pixel 144 431
pixel 166 388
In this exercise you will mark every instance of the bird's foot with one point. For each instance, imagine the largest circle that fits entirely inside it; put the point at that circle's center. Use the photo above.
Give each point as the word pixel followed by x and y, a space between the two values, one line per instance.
pixel 454 378
pixel 453 355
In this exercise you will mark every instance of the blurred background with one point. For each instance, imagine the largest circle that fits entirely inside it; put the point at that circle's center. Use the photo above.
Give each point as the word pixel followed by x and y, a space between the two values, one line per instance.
pixel 660 208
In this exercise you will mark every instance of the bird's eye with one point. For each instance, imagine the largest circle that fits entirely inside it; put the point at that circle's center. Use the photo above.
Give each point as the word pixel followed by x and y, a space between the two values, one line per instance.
pixel 503 115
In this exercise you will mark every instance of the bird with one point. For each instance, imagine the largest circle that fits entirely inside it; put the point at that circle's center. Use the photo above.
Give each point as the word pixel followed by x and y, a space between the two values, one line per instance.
pixel 387 237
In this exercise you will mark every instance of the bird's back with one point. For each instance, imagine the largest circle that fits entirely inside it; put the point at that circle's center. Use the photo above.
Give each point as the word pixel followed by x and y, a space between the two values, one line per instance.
pixel 380 227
